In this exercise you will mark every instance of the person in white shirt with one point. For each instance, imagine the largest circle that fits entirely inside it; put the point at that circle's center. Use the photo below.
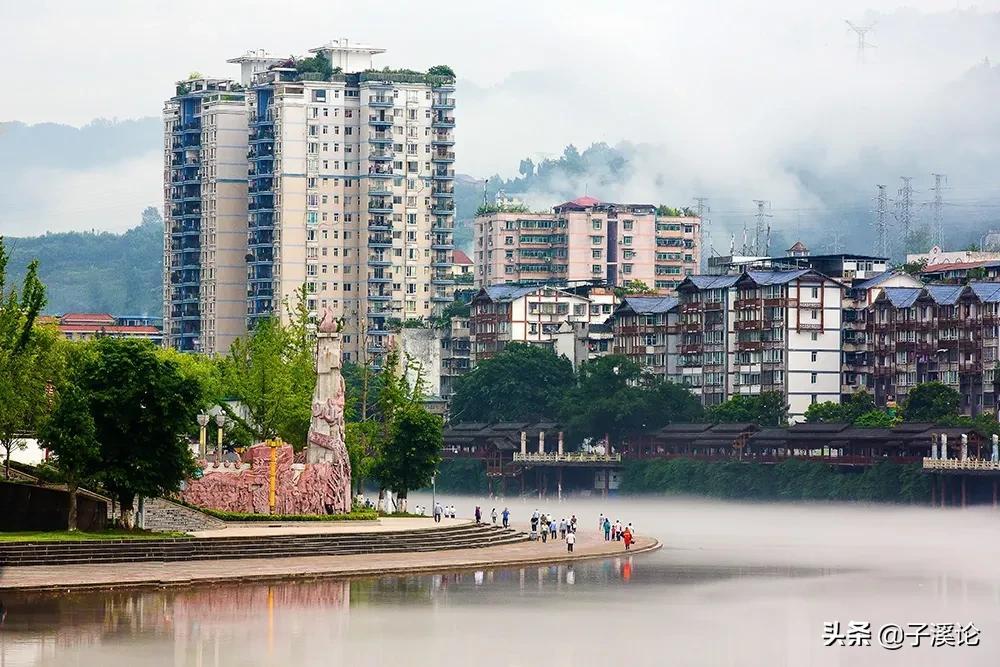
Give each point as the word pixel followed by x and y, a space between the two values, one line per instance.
pixel 570 541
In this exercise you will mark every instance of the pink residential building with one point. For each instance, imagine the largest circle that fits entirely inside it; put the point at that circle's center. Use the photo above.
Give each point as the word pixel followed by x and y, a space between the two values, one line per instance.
pixel 586 240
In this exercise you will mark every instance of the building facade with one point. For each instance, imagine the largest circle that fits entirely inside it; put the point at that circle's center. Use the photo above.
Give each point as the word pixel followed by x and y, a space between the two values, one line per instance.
pixel 645 329
pixel 762 331
pixel 205 216
pixel 338 187
pixel 503 314
pixel 585 240
pixel 937 333
pixel 352 195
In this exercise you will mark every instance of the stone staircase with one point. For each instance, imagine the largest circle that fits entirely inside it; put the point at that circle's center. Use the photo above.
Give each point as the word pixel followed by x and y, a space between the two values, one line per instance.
pixel 164 516
pixel 466 536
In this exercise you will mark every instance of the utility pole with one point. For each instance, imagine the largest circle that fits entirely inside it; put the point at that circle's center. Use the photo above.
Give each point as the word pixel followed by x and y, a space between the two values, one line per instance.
pixel 937 207
pixel 904 206
pixel 704 226
pixel 861 31
pixel 762 228
pixel 881 225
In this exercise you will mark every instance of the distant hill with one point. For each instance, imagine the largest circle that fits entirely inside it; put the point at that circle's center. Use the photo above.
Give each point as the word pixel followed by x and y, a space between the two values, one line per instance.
pixel 97 272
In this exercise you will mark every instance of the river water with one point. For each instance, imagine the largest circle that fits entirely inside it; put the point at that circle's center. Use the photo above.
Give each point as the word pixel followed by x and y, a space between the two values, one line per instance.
pixel 736 584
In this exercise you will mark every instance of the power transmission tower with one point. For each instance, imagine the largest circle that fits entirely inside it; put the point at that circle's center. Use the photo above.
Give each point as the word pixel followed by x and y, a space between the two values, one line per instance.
pixel 705 237
pixel 937 207
pixel 762 227
pixel 904 206
pixel 881 221
pixel 861 31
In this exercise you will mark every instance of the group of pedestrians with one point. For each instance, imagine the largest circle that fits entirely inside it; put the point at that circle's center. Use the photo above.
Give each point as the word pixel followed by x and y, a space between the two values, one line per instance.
pixel 614 531
pixel 446 511
pixel 546 526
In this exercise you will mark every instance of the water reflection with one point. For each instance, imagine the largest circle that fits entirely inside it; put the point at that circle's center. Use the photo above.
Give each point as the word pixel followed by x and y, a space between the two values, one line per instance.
pixel 728 597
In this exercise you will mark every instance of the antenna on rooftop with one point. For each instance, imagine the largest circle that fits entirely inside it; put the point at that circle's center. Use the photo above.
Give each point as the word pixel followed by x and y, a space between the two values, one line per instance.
pixel 705 237
pixel 762 227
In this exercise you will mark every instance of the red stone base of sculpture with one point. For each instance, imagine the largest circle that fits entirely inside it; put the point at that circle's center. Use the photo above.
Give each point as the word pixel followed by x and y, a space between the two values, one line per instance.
pixel 315 488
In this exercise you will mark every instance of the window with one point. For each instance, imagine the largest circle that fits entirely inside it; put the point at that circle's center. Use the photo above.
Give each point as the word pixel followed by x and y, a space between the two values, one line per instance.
pixel 812 399
pixel 596 268
pixel 813 377
pixel 813 314
pixel 813 356
pixel 815 292
pixel 627 225
pixel 595 240
pixel 627 240
pixel 597 252
pixel 596 224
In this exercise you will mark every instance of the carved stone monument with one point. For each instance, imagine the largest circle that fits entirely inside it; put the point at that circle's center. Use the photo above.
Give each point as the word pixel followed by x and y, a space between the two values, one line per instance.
pixel 322 485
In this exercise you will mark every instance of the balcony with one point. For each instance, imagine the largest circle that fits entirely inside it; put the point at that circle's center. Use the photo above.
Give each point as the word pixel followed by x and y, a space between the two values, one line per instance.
pixel 379 173
pixel 443 192
pixel 443 121
pixel 379 225
pixel 380 207
pixel 381 156
pixel 379 189
pixel 379 240
pixel 442 244
pixel 442 139
pixel 443 156
pixel 443 174
pixel 441 296
pixel 380 138
pixel 379 297
pixel 443 102
pixel 379 260
pixel 380 121
pixel 443 208
pixel 375 279
pixel 381 101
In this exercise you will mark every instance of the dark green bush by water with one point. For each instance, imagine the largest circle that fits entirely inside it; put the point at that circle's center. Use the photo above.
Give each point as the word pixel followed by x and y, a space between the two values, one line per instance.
pixel 789 480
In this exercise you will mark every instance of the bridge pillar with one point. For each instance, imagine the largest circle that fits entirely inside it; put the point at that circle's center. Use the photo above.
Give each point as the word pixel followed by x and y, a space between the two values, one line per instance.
pixel 524 445
pixel 560 443
pixel 541 442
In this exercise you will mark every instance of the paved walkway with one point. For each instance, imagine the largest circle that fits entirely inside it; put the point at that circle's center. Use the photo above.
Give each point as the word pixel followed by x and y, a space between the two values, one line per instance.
pixel 588 545
pixel 383 525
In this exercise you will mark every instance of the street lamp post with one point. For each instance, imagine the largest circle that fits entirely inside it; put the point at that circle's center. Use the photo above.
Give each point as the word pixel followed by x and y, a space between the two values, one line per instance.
pixel 203 423
pixel 220 421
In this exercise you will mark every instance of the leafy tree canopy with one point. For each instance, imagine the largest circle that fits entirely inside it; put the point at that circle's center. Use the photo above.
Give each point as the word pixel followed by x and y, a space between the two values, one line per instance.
pixel 765 409
pixel 848 411
pixel 521 382
pixel 931 402
pixel 614 397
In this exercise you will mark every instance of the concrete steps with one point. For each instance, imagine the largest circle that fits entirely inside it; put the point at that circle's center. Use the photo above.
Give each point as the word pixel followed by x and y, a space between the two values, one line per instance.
pixel 164 516
pixel 277 546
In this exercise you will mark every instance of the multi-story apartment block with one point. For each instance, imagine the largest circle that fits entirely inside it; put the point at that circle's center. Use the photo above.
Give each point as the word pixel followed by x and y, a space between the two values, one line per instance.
pixel 856 346
pixel 351 194
pixel 762 331
pixel 456 359
pixel 942 333
pixel 205 215
pixel 585 240
pixel 503 314
pixel 646 331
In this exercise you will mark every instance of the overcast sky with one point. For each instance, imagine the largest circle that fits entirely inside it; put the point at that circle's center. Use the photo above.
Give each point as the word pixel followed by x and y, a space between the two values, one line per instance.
pixel 729 88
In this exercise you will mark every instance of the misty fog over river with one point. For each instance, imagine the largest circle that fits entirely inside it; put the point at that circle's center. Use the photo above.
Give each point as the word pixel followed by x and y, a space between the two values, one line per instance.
pixel 735 584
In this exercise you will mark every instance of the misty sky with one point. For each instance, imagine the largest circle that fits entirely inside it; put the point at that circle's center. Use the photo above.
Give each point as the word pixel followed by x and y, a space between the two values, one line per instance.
pixel 742 99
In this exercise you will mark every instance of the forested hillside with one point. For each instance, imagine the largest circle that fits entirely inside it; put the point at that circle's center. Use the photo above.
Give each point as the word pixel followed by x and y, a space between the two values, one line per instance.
pixel 98 272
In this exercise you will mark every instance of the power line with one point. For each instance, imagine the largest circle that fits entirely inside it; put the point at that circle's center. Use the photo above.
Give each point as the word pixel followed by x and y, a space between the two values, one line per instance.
pixel 861 31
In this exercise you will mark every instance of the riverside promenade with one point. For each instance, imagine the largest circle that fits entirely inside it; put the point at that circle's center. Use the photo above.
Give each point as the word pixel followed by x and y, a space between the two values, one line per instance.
pixel 153 573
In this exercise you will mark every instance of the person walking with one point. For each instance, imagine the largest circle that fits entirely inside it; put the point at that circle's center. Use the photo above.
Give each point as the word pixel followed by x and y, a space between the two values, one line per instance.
pixel 506 517
pixel 600 523
pixel 493 516
pixel 563 526
pixel 545 533
pixel 570 541
pixel 627 537
pixel 437 513
pixel 479 515
pixel 553 528
pixel 607 529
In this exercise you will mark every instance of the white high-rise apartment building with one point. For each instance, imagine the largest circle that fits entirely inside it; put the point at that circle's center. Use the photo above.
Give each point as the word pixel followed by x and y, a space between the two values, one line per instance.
pixel 205 215
pixel 341 184
pixel 351 194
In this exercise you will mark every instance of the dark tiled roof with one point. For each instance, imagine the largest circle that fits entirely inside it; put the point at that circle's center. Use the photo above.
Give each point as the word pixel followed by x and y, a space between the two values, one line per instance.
pixel 711 282
pixel 776 277
pixel 987 292
pixel 902 297
pixel 946 295
pixel 875 281
pixel 648 305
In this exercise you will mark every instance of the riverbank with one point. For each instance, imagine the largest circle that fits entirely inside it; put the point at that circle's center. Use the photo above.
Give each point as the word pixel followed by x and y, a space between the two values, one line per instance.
pixel 161 574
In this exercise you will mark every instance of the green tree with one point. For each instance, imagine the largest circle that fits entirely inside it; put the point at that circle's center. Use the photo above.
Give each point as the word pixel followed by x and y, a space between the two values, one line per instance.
pixel 613 396
pixel 271 371
pixel 636 287
pixel 71 435
pixel 521 383
pixel 411 455
pixel 847 411
pixel 874 419
pixel 931 402
pixel 441 70
pixel 143 408
pixel 765 409
pixel 29 357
